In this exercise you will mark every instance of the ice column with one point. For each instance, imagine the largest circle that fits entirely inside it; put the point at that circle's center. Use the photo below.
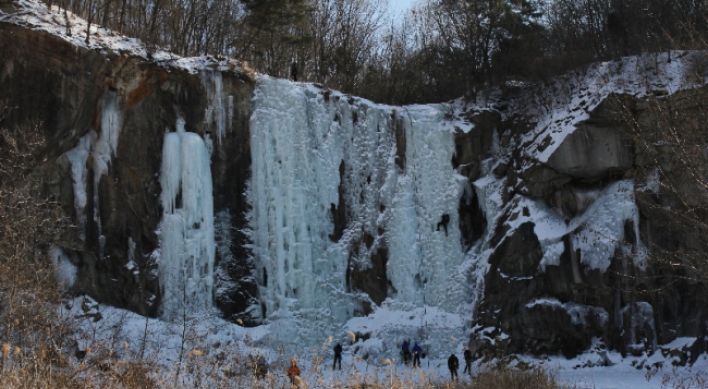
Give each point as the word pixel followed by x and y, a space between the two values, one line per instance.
pixel 78 157
pixel 101 147
pixel 423 264
pixel 186 265
pixel 219 111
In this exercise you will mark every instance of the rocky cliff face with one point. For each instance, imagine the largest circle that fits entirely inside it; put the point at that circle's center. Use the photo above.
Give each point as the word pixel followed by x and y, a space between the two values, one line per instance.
pixel 646 294
pixel 566 217
pixel 75 94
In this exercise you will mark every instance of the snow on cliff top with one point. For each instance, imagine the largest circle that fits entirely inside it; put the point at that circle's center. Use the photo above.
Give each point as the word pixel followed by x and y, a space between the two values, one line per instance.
pixel 557 108
pixel 34 15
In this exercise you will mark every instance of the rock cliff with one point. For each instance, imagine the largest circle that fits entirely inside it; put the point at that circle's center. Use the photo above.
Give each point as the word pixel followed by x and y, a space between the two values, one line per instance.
pixel 648 293
pixel 566 218
pixel 70 93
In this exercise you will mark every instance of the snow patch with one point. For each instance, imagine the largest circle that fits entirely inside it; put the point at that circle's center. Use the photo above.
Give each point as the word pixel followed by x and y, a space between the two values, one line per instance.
pixel 34 15
pixel 578 312
pixel 598 232
pixel 558 108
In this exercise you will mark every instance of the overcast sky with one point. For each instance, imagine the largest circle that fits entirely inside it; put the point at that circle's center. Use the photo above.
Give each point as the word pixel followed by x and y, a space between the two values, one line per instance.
pixel 398 6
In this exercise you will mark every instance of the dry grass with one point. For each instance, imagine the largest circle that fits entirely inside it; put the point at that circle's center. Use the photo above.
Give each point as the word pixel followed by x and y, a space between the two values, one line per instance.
pixel 134 375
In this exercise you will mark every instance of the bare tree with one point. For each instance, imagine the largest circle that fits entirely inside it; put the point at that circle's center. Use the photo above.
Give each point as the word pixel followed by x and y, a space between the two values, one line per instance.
pixel 29 224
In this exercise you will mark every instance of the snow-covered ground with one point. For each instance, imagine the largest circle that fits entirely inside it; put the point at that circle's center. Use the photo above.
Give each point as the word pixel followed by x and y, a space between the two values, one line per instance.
pixel 221 343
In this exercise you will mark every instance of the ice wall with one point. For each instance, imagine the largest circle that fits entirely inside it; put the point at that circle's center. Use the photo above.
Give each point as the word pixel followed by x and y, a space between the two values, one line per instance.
pixel 423 261
pixel 186 266
pixel 300 137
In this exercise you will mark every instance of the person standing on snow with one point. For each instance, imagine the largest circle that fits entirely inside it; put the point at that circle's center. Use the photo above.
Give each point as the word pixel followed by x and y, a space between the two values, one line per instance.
pixel 337 356
pixel 406 352
pixel 293 71
pixel 468 362
pixel 453 364
pixel 294 373
pixel 416 354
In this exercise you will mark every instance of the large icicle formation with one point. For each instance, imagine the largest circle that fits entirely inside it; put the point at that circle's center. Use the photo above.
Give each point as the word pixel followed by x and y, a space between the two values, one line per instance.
pixel 104 147
pixel 303 141
pixel 78 156
pixel 186 265
pixel 101 148
pixel 219 112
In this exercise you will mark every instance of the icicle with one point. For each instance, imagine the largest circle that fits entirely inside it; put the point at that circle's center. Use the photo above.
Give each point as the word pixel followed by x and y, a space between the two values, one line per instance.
pixel 230 118
pixel 64 270
pixel 216 114
pixel 171 170
pixel 187 248
pixel 103 148
pixel 78 157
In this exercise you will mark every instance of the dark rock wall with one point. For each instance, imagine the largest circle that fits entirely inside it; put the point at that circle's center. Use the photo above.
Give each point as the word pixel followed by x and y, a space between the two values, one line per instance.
pixel 61 88
pixel 628 308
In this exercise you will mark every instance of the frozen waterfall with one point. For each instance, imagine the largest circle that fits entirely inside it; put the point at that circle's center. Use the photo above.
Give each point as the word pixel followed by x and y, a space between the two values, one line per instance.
pixel 104 147
pixel 101 148
pixel 186 265
pixel 305 143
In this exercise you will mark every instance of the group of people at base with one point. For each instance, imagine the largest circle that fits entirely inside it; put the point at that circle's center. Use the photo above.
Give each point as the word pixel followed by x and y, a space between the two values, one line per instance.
pixel 407 352
pixel 453 363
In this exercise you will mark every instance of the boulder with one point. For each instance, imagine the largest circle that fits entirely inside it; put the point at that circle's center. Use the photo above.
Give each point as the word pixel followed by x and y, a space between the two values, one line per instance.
pixel 591 152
